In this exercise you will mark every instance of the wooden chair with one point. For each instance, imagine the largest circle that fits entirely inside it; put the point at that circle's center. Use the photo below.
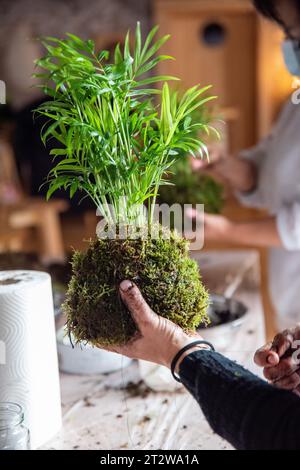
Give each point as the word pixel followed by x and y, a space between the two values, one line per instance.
pixel 19 214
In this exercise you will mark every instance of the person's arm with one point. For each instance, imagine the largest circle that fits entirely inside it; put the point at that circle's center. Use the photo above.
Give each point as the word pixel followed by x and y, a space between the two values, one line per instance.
pixel 282 230
pixel 240 174
pixel 217 228
pixel 262 232
pixel 239 406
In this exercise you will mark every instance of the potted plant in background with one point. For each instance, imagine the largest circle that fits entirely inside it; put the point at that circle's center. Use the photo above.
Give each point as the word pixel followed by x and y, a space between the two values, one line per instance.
pixel 116 143
pixel 187 186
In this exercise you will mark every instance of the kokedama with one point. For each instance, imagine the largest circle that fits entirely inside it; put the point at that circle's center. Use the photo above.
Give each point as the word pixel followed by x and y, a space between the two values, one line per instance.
pixel 190 187
pixel 116 142
pixel 187 186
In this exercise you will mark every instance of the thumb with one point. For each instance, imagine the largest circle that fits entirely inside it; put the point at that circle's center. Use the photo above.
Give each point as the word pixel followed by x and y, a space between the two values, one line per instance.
pixel 266 357
pixel 138 307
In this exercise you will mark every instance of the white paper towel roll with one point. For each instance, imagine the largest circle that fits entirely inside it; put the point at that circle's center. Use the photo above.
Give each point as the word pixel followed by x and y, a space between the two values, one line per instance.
pixel 30 375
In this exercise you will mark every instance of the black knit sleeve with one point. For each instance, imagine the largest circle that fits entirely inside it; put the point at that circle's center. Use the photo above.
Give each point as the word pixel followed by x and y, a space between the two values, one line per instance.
pixel 240 407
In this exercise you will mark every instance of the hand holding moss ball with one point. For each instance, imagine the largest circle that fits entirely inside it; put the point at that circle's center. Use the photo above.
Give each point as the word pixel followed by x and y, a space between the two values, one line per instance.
pixel 169 281
pixel 159 339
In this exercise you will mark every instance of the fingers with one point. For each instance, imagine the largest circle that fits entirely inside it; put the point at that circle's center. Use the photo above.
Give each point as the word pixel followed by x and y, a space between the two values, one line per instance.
pixel 290 382
pixel 270 354
pixel 281 366
pixel 283 342
pixel 266 357
pixel 138 307
pixel 286 367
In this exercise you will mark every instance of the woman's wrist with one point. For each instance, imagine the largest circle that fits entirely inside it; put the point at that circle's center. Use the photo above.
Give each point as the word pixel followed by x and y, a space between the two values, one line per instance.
pixel 184 346
pixel 175 347
pixel 196 348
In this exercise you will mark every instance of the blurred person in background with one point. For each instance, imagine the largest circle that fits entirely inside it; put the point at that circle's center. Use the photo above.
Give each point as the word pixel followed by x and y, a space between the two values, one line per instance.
pixel 268 176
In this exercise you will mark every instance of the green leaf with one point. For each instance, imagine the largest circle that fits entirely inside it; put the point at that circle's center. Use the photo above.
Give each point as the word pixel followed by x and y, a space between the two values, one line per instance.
pixel 152 63
pixel 118 55
pixel 54 186
pixel 137 46
pixel 155 79
pixel 127 55
pixel 74 187
pixel 115 139
pixel 58 152
pixel 147 54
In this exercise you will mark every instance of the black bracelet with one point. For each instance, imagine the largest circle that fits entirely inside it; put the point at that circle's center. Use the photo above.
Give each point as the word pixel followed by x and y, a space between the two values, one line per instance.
pixel 183 350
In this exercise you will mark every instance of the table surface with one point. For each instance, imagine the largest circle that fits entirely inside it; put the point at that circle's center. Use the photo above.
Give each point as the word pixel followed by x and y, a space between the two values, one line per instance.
pixel 103 412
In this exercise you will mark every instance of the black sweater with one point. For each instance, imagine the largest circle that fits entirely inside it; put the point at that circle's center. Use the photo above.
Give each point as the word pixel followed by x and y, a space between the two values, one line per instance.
pixel 240 407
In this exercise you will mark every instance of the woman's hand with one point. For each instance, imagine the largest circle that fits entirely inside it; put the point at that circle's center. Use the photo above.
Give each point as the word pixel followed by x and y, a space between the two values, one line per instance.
pixel 216 157
pixel 240 174
pixel 281 360
pixel 158 339
pixel 216 227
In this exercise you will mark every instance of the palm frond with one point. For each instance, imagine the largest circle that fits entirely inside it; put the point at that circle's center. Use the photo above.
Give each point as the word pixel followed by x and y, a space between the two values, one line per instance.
pixel 116 140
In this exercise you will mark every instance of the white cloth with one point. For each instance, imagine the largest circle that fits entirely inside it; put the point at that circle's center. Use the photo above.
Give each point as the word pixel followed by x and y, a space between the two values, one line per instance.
pixel 278 190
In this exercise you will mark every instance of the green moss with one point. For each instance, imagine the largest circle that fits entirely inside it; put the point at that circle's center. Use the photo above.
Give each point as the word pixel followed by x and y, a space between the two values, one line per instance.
pixel 190 187
pixel 169 280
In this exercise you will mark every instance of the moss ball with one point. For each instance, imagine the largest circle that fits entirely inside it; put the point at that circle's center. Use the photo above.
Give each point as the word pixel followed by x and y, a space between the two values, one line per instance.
pixel 193 188
pixel 168 278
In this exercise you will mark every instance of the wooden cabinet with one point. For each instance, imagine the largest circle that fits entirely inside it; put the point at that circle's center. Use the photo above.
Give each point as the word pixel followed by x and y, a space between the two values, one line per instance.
pixel 223 43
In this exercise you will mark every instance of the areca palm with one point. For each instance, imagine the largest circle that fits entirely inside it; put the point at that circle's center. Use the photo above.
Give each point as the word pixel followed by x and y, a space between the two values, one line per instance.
pixel 117 132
